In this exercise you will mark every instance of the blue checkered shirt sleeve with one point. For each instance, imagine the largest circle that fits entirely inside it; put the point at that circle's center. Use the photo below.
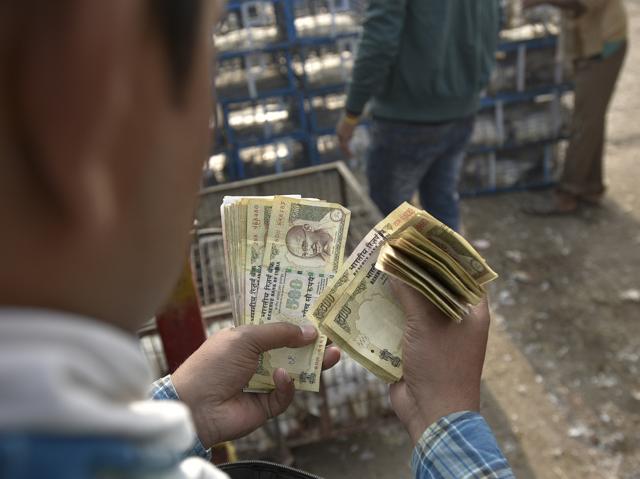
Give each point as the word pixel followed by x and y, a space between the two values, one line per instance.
pixel 163 389
pixel 459 446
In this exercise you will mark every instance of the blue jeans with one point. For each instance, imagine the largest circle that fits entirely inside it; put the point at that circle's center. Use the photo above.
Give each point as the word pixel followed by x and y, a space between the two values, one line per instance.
pixel 405 157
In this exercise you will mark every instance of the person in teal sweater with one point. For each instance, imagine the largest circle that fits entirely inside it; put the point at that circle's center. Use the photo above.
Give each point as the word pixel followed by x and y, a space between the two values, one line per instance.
pixel 421 64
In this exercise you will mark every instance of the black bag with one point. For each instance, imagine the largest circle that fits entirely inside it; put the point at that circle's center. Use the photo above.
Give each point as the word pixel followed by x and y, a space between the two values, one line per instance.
pixel 263 470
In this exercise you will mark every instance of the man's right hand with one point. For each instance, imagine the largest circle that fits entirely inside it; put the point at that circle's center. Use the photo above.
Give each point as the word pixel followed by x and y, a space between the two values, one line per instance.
pixel 344 131
pixel 442 362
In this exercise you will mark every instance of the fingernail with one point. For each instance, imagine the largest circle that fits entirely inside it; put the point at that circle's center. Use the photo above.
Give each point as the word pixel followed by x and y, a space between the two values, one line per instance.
pixel 308 331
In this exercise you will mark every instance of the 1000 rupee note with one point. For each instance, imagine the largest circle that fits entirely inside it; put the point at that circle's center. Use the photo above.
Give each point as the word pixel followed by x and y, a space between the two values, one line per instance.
pixel 305 247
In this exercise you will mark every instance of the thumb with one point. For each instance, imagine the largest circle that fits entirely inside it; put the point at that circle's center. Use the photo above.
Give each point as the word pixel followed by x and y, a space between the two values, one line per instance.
pixel 278 335
pixel 278 400
pixel 414 304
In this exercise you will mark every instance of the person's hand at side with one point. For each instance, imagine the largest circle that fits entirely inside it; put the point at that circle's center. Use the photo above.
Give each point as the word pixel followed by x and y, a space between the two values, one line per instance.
pixel 210 381
pixel 344 130
pixel 442 362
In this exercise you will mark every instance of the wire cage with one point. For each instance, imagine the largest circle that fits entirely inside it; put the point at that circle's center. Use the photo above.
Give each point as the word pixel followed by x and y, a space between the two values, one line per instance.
pixel 351 398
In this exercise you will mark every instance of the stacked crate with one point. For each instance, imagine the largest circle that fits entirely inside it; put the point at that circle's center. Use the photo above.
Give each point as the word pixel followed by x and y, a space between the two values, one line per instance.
pixel 525 117
pixel 279 64
pixel 283 66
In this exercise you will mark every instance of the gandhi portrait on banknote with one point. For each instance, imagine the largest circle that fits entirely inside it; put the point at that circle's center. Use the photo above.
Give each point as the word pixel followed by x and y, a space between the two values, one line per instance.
pixel 304 241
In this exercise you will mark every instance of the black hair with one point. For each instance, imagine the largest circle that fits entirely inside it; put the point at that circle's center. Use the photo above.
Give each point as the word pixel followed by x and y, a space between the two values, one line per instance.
pixel 178 22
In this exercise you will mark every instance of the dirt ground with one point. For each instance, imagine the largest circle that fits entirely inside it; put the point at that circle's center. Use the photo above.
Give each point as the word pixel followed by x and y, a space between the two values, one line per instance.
pixel 562 378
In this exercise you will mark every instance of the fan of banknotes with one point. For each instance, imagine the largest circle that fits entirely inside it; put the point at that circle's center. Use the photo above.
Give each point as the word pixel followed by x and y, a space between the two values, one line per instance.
pixel 281 252
pixel 285 263
pixel 358 311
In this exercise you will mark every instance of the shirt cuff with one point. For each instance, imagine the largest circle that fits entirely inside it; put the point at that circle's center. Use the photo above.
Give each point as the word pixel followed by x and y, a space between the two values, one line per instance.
pixel 459 445
pixel 356 100
pixel 163 389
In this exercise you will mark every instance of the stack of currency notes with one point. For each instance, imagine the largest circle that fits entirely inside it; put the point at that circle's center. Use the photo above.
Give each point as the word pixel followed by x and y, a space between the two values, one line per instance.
pixel 281 253
pixel 358 311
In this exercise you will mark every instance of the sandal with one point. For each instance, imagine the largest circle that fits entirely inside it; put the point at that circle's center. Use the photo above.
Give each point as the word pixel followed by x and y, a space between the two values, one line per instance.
pixel 593 199
pixel 561 204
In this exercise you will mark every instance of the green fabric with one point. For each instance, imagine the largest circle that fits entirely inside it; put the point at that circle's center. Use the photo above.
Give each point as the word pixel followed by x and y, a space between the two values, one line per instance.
pixel 424 60
pixel 612 47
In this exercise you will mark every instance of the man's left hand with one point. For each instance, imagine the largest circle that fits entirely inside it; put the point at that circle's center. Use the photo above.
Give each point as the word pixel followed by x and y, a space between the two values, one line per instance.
pixel 210 381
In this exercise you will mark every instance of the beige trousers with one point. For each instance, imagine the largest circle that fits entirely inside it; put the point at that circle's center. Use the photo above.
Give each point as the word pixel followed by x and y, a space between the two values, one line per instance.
pixel 595 80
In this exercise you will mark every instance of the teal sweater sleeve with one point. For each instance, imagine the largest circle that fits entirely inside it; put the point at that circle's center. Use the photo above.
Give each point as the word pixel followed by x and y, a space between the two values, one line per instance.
pixel 424 60
pixel 377 51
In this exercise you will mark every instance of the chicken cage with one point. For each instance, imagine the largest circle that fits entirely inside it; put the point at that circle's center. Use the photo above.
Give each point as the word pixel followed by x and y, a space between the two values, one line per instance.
pixel 350 398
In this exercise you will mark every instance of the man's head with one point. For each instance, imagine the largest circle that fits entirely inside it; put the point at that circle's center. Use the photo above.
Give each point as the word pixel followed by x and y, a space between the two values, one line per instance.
pixel 104 114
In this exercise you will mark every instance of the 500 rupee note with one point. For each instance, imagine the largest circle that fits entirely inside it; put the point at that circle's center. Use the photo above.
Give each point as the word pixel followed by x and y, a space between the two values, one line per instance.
pixel 305 247
pixel 358 307
pixel 258 215
pixel 369 319
pixel 369 247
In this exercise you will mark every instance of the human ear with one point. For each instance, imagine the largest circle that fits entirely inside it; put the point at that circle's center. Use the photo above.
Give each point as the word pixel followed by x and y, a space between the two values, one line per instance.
pixel 72 82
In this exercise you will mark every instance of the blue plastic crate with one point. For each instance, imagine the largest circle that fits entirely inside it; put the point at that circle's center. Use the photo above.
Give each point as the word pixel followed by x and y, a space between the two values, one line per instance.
pixel 264 120
pixel 268 157
pixel 323 111
pixel 252 25
pixel 254 75
pixel 326 19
